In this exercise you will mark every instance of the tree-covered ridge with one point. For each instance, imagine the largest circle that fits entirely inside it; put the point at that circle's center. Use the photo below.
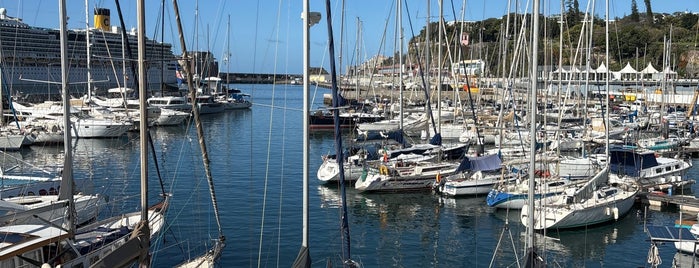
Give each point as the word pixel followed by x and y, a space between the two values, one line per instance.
pixel 637 38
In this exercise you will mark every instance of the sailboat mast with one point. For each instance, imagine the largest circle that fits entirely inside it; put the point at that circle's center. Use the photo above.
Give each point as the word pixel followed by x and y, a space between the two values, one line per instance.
pixel 143 125
pixel 228 51
pixel 532 128
pixel 87 49
pixel 440 35
pixel 400 61
pixel 346 252
pixel 303 259
pixel 306 109
pixel 606 80
pixel 66 191
pixel 197 120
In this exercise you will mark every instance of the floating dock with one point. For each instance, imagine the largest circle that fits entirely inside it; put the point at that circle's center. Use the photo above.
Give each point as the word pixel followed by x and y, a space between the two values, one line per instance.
pixel 685 203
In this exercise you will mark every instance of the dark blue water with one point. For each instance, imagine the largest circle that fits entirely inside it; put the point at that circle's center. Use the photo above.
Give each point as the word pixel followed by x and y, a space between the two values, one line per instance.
pixel 256 157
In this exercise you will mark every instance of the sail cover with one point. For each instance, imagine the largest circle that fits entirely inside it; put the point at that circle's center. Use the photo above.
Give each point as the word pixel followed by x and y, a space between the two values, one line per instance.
pixel 482 163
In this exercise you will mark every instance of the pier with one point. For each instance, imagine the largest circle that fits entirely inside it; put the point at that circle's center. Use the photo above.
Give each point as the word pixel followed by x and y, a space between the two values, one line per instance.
pixel 685 203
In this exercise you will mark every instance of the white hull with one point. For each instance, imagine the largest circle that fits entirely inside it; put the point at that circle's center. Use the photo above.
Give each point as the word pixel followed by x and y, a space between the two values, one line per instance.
pixel 471 186
pixel 12 142
pixel 330 171
pixel 237 105
pixel 383 183
pixel 99 128
pixel 401 179
pixel 155 222
pixel 169 117
pixel 87 207
pixel 596 210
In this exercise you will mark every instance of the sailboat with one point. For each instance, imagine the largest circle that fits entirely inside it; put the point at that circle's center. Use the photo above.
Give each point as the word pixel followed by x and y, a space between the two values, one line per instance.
pixel 114 242
pixel 303 259
pixel 595 202
pixel 233 99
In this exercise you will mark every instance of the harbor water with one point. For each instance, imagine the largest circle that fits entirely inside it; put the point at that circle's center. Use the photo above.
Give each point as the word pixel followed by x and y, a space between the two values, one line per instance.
pixel 256 161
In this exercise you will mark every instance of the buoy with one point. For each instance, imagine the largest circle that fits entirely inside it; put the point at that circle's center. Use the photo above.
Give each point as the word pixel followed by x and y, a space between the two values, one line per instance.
pixel 383 170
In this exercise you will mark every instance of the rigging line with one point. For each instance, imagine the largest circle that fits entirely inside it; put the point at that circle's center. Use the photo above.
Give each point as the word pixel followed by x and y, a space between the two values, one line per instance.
pixel 155 163
pixel 422 72
pixel 269 145
pixel 279 107
pixel 283 145
pixel 199 128
pixel 177 215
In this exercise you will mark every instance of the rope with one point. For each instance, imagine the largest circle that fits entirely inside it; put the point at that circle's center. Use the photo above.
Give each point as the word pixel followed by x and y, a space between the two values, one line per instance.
pixel 653 256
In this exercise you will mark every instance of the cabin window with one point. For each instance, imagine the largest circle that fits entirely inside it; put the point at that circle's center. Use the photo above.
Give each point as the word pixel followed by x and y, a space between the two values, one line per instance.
pixel 677 166
pixel 668 168
pixel 554 184
pixel 658 170
pixel 14 238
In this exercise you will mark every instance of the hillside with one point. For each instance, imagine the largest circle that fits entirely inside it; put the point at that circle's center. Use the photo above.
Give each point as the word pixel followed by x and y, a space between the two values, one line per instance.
pixel 636 38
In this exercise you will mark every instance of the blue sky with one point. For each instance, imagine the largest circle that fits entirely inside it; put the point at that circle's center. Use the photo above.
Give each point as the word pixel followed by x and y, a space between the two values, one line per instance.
pixel 266 35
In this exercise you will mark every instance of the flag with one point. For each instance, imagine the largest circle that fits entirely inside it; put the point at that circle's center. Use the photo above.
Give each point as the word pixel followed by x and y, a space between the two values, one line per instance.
pixel 178 74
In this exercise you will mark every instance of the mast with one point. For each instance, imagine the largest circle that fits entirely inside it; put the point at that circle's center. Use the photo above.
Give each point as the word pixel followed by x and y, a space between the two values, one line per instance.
pixel 143 228
pixel 303 259
pixel 606 81
pixel 66 191
pixel 306 107
pixel 162 49
pixel 440 25
pixel 346 249
pixel 228 51
pixel 532 259
pixel 400 61
pixel 87 49
pixel 220 242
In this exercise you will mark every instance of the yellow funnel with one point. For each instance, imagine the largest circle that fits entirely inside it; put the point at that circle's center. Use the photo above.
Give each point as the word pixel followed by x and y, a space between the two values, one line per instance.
pixel 102 19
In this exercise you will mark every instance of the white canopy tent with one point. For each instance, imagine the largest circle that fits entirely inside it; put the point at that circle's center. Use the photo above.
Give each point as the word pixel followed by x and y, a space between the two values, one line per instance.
pixel 626 73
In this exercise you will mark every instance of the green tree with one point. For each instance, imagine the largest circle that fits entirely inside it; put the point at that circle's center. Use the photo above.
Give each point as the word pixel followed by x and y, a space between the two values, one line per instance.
pixel 634 11
pixel 573 15
pixel 649 12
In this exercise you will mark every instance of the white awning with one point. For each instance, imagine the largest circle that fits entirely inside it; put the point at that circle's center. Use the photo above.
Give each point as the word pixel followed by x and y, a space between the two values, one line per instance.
pixel 649 69
pixel 628 69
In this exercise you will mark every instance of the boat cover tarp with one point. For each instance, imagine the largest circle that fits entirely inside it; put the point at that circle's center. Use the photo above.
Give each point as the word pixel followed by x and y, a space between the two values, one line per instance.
pixel 380 135
pixel 630 162
pixel 668 234
pixel 482 163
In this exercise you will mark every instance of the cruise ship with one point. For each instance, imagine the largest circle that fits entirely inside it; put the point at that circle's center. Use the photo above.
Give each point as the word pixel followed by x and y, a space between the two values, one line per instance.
pixel 30 56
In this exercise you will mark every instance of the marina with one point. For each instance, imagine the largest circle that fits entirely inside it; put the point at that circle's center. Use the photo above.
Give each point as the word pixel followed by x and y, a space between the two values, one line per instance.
pixel 429 164
pixel 451 231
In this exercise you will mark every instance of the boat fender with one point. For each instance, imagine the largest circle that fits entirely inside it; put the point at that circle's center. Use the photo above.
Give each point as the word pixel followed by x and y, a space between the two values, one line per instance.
pixel 383 170
pixel 607 211
pixel 616 213
pixel 438 178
